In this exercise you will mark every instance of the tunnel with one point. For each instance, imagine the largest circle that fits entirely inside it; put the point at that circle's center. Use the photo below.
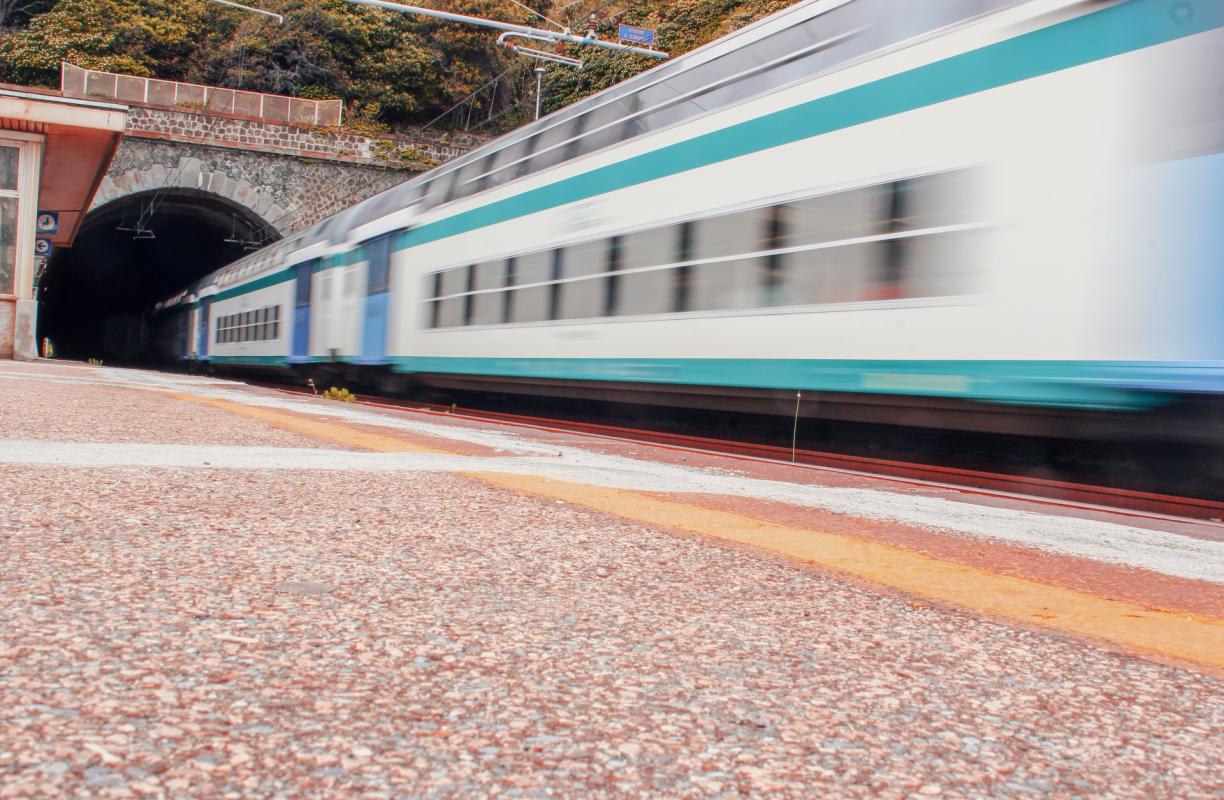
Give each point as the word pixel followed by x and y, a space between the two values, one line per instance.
pixel 95 297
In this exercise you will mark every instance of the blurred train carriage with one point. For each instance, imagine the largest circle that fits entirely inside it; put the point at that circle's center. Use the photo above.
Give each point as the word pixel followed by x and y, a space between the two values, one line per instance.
pixel 998 215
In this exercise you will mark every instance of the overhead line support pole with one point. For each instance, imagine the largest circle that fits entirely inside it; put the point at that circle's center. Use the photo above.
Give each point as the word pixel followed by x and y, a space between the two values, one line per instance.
pixel 535 33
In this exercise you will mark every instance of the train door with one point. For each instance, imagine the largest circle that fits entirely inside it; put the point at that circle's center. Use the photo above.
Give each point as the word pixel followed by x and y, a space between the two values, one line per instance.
pixel 193 327
pixel 374 318
pixel 202 329
pixel 325 308
pixel 300 347
pixel 348 309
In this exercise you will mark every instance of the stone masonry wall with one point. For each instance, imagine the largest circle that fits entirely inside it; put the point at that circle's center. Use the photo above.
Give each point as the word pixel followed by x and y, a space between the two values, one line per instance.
pixel 288 193
pixel 419 148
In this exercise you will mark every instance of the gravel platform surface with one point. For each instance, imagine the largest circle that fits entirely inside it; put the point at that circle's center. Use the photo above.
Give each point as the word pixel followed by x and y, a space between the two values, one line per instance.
pixel 71 411
pixel 266 633
pixel 230 633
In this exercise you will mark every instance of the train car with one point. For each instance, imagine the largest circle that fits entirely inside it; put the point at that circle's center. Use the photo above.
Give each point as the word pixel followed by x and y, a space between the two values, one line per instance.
pixel 971 214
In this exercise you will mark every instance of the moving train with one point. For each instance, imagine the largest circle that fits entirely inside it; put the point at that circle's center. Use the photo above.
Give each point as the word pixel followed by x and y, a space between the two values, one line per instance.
pixel 966 214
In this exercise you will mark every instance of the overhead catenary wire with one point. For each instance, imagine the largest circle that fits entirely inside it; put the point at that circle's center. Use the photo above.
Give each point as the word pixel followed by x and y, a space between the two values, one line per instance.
pixel 543 34
pixel 280 20
pixel 526 7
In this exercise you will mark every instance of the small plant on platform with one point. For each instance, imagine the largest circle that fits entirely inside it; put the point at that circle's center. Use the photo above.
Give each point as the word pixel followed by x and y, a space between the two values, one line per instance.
pixel 94 362
pixel 341 394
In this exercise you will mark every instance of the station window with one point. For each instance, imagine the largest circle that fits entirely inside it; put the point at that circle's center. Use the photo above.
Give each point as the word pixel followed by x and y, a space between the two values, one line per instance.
pixel 10 158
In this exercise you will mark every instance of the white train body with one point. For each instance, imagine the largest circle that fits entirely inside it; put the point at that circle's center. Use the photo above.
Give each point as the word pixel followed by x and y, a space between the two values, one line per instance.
pixel 1020 206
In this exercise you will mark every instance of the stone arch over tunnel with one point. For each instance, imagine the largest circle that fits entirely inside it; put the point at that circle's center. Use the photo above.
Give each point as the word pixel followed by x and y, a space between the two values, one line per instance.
pixel 133 251
pixel 256 182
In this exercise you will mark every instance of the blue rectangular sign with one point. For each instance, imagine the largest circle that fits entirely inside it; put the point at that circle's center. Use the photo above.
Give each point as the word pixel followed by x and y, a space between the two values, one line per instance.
pixel 629 33
pixel 48 222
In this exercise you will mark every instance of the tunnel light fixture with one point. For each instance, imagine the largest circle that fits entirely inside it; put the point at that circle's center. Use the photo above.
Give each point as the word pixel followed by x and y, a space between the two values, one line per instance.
pixel 540 34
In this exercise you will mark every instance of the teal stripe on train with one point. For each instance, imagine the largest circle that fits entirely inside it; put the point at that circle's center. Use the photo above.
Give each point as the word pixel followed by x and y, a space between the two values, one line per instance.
pixel 250 361
pixel 1113 31
pixel 280 276
pixel 259 283
pixel 1095 384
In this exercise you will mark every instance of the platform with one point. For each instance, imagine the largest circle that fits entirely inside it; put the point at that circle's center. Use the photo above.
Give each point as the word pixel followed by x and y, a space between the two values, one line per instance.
pixel 211 589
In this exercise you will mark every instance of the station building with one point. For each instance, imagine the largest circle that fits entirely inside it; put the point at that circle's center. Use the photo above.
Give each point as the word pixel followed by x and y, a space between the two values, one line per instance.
pixel 54 153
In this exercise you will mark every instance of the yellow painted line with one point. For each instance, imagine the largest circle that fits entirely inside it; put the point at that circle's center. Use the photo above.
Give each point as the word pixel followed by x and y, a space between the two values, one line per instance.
pixel 1181 635
pixel 309 426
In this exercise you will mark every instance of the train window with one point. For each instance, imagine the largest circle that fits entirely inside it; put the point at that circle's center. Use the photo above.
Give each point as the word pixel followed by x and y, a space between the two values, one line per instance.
pixel 554 289
pixel 611 290
pixel 606 124
pixel 573 146
pixel 451 307
pixel 646 292
pixel 454 281
pixel 531 302
pixel 832 217
pixel 508 296
pixel 524 166
pixel 929 201
pixel 581 299
pixel 481 179
pixel 469 277
pixel 455 178
pixel 731 234
pixel 378 260
pixel 550 149
pixel 488 304
pixel 682 277
pixel 727 284
pixel 450 312
pixel 940 265
pixel 434 291
pixel 829 274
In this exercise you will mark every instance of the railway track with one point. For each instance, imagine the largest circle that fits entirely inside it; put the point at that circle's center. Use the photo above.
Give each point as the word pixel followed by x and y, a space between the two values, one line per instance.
pixel 966 481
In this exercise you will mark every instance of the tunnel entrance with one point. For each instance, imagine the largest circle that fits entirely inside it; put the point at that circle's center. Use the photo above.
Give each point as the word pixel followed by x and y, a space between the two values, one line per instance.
pixel 128 255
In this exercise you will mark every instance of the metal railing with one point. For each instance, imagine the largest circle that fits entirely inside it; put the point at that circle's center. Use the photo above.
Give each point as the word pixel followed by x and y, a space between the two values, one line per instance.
pixel 80 82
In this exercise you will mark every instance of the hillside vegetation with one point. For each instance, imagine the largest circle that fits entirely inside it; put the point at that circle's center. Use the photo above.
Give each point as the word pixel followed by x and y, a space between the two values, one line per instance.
pixel 389 68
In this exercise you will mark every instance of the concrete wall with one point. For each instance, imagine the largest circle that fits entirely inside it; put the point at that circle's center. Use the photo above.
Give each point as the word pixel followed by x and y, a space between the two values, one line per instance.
pixel 8 313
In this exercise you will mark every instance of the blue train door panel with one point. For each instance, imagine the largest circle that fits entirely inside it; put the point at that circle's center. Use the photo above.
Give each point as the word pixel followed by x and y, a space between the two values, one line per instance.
pixel 378 279
pixel 202 325
pixel 300 350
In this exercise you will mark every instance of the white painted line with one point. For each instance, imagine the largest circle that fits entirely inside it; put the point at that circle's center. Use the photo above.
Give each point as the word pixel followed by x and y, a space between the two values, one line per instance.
pixel 1158 551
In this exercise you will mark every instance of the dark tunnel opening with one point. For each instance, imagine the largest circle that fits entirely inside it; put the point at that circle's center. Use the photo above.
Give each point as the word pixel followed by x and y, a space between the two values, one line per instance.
pixel 129 254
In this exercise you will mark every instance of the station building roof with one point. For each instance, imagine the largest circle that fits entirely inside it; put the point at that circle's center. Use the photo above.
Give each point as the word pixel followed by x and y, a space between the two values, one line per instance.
pixel 79 140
